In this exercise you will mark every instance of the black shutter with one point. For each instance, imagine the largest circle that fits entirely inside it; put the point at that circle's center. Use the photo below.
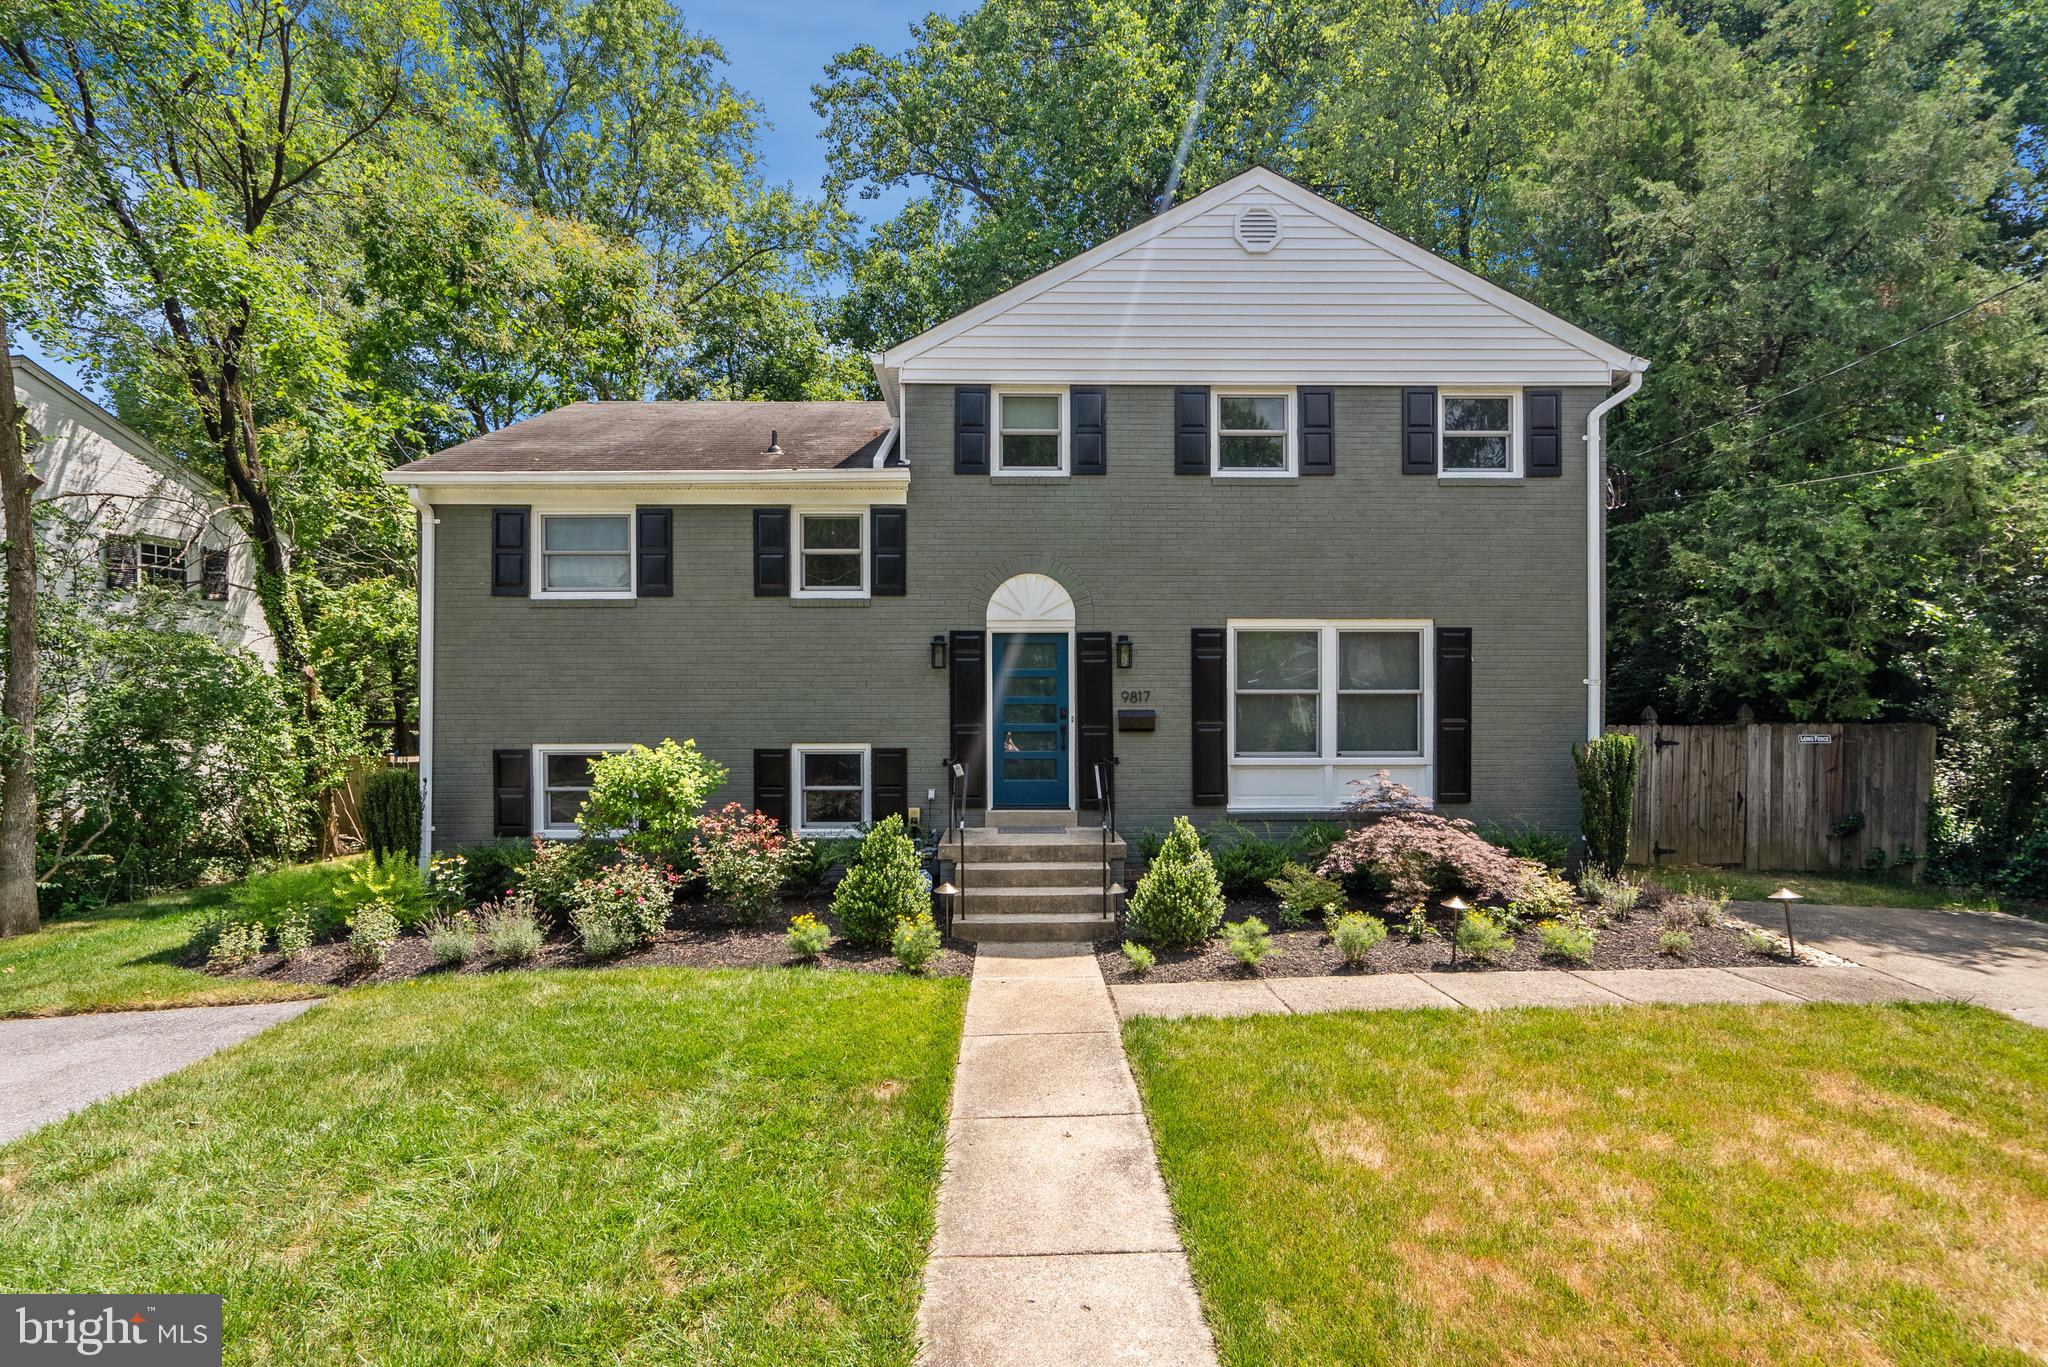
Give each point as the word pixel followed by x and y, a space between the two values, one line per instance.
pixel 508 553
pixel 511 793
pixel 1089 415
pixel 654 552
pixel 1191 431
pixel 1418 431
pixel 889 551
pixel 771 552
pixel 118 556
pixel 970 430
pixel 213 576
pixel 1211 701
pixel 1095 717
pixel 771 784
pixel 968 702
pixel 1453 714
pixel 1543 433
pixel 1318 431
pixel 889 784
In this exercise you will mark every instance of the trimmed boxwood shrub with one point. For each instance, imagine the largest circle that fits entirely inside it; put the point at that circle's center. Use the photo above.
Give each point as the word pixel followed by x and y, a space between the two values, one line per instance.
pixel 886 883
pixel 1179 901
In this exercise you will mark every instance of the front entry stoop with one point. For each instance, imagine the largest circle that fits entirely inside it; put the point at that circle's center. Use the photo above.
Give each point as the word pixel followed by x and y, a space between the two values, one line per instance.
pixel 1040 882
pixel 1056 1246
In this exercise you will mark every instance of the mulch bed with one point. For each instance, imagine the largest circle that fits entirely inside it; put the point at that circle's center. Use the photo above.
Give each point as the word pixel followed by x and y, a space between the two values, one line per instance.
pixel 1308 952
pixel 703 936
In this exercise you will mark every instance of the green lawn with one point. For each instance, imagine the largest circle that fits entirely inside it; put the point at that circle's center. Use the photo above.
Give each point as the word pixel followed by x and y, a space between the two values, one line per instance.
pixel 618 1166
pixel 1716 1184
pixel 1837 890
pixel 124 957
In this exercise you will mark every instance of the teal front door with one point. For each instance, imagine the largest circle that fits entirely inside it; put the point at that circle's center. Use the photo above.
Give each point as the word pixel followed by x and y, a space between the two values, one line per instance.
pixel 1030 692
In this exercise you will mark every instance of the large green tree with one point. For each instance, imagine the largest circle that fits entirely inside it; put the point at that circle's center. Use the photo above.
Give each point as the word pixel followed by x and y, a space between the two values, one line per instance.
pixel 206 144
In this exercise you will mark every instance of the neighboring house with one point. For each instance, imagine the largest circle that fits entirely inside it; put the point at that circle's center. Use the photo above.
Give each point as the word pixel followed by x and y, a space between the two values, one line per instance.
pixel 1255 499
pixel 128 515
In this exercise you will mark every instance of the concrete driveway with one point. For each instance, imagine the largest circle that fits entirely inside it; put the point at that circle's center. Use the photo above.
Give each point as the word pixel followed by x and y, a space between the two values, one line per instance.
pixel 1975 956
pixel 50 1068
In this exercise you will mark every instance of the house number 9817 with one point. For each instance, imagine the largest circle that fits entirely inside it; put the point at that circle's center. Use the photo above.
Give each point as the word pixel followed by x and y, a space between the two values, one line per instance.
pixel 1137 695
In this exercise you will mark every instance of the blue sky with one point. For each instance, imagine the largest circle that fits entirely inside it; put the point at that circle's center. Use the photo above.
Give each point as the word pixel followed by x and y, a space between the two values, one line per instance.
pixel 777 49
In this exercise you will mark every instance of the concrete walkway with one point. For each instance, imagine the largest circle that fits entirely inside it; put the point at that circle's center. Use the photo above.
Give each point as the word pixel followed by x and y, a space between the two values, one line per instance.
pixel 1482 991
pixel 50 1068
pixel 1982 957
pixel 1055 1241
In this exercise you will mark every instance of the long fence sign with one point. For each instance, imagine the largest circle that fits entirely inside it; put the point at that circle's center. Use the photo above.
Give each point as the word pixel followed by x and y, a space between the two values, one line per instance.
pixel 1809 797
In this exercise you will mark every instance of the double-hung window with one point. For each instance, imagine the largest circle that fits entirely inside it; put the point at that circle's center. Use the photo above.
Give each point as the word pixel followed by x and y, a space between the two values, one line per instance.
pixel 562 782
pixel 586 555
pixel 832 789
pixel 1254 433
pixel 833 555
pixel 1031 437
pixel 1479 433
pixel 1328 692
pixel 162 563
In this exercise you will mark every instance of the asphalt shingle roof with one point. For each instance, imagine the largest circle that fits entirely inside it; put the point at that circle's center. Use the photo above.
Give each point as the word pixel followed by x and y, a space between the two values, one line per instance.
pixel 612 438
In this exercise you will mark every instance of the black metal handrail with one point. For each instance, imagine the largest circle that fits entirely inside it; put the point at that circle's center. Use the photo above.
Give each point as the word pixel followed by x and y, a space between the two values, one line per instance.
pixel 956 827
pixel 1105 800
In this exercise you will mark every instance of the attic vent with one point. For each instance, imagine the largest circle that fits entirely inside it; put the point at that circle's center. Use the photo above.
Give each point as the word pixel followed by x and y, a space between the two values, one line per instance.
pixel 1258 229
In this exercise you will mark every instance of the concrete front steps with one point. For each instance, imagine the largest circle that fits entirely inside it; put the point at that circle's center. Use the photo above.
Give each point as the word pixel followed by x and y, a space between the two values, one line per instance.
pixel 1032 876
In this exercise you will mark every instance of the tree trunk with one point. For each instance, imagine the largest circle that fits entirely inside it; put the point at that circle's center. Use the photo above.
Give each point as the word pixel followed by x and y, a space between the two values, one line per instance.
pixel 18 912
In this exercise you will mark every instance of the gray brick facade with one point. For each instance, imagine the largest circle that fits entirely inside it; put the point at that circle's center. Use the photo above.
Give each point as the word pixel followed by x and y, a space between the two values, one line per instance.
pixel 1142 551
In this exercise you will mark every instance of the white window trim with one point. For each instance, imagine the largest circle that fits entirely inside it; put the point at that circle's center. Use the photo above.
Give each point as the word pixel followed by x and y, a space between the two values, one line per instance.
pixel 996 468
pixel 1292 440
pixel 796 789
pixel 1513 395
pixel 796 585
pixel 181 555
pixel 541 825
pixel 539 552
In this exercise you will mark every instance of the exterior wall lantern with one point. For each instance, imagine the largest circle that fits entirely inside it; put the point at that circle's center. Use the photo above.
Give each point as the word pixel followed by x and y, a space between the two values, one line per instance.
pixel 938 652
pixel 1123 652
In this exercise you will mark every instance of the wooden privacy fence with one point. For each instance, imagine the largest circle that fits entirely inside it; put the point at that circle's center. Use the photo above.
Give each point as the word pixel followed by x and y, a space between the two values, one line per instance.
pixel 1808 797
pixel 341 809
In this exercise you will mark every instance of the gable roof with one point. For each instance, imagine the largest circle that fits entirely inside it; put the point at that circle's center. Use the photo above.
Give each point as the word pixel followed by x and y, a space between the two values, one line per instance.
pixel 1337 299
pixel 31 377
pixel 683 437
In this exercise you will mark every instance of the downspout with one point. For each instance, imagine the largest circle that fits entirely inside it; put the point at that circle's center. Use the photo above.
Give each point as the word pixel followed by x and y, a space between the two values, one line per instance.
pixel 426 597
pixel 1596 552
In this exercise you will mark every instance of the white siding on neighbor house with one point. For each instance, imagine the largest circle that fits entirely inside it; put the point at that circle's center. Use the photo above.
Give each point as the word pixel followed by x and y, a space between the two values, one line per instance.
pixel 107 478
pixel 1335 301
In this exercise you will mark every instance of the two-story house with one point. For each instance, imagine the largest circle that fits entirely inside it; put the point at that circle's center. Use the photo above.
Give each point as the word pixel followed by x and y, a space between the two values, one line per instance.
pixel 123 516
pixel 1255 499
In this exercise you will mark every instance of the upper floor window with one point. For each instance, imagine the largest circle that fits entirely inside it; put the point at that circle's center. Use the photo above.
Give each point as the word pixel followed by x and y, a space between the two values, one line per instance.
pixel 162 562
pixel 1030 433
pixel 1253 433
pixel 586 555
pixel 833 555
pixel 1479 433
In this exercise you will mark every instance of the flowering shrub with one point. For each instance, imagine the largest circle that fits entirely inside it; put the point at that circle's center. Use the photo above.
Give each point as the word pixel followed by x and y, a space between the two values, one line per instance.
pixel 558 867
pixel 1570 940
pixel 1483 937
pixel 744 858
pixel 631 899
pixel 915 942
pixel 448 882
pixel 511 930
pixel 1419 852
pixel 452 938
pixel 807 936
pixel 371 933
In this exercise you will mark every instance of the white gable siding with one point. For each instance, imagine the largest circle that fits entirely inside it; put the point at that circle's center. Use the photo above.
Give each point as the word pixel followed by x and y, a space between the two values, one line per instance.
pixel 1190 305
pixel 94 471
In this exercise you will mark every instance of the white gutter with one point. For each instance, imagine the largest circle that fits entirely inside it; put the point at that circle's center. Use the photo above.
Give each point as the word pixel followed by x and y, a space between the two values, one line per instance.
pixel 426 597
pixel 856 475
pixel 1596 552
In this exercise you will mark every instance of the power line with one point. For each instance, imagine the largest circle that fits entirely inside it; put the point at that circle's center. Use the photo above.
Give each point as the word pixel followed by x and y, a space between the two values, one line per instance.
pixel 1850 365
